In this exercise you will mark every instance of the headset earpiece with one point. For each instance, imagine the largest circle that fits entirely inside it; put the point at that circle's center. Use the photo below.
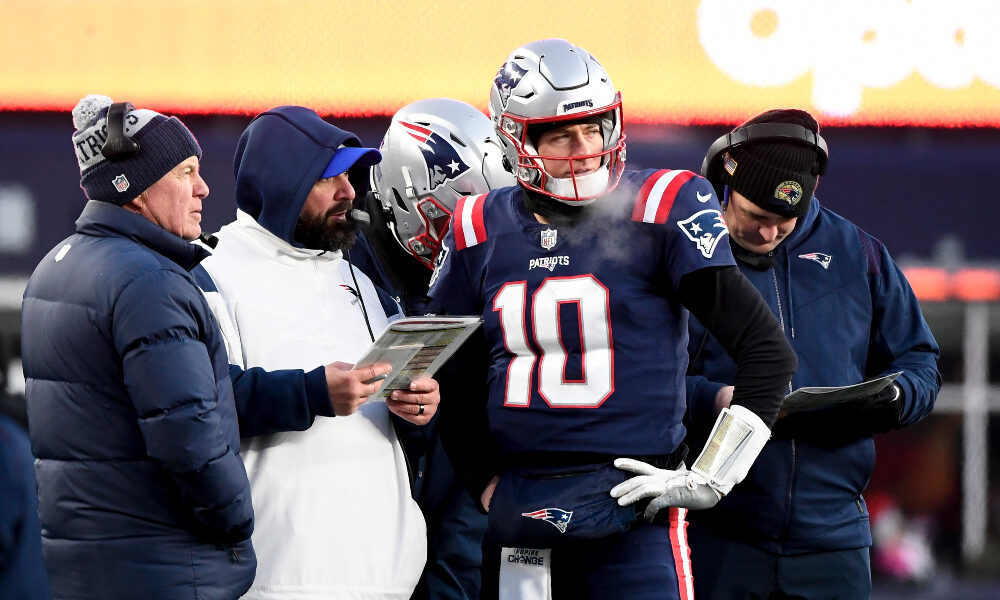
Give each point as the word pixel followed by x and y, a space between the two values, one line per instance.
pixel 764 132
pixel 118 146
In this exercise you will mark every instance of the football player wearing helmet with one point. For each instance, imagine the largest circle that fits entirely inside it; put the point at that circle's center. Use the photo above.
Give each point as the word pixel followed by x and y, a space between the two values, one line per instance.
pixel 434 152
pixel 583 274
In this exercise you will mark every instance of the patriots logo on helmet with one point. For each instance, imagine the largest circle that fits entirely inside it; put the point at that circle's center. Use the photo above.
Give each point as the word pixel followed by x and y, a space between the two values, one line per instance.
pixel 705 228
pixel 558 517
pixel 442 160
pixel 824 260
pixel 506 80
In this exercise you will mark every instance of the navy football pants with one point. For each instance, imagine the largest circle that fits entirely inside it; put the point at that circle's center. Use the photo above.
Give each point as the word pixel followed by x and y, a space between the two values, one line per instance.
pixel 645 563
pixel 733 570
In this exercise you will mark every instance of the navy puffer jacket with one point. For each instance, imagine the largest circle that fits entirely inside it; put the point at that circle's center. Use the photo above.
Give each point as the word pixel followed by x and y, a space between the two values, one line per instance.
pixel 142 491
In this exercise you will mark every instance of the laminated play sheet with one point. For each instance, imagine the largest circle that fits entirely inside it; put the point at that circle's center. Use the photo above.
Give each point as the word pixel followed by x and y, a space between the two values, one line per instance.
pixel 416 347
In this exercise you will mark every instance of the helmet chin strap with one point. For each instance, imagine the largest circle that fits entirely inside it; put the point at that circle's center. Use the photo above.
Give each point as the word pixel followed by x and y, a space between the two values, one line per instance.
pixel 591 184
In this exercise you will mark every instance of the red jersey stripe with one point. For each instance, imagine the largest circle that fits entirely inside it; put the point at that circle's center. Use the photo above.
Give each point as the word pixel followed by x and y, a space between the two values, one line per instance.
pixel 640 203
pixel 670 194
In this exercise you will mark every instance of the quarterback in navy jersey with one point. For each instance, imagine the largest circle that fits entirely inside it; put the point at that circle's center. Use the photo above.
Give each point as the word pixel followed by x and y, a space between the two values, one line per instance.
pixel 569 430
pixel 593 305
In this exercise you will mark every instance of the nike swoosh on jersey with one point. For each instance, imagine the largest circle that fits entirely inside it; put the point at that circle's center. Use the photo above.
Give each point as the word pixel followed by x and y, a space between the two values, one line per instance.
pixel 704 198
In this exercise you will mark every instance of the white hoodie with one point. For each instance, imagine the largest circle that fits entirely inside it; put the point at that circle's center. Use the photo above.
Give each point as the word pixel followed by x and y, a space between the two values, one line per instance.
pixel 334 513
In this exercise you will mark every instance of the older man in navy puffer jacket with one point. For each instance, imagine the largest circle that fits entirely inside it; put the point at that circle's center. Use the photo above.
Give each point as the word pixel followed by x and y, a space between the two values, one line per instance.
pixel 142 491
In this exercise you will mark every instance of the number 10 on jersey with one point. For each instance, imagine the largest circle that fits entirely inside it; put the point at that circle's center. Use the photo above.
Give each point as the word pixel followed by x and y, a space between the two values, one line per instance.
pixel 544 325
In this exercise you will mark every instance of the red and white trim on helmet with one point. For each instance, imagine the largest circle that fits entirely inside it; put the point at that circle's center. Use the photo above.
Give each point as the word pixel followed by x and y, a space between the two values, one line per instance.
pixel 468 221
pixel 431 232
pixel 682 552
pixel 657 195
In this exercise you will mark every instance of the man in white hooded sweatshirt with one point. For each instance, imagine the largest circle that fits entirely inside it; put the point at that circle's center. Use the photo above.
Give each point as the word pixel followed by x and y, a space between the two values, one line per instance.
pixel 334 513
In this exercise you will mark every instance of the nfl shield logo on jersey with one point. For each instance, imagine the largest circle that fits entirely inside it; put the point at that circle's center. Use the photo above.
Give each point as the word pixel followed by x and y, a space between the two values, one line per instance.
pixel 549 238
pixel 121 183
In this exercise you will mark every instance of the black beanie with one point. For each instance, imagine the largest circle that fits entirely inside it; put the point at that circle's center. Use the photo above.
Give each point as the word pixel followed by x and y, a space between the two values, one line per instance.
pixel 164 143
pixel 776 176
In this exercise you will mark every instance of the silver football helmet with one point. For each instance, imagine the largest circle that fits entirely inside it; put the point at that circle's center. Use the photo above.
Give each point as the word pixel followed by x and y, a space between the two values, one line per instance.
pixel 549 82
pixel 434 152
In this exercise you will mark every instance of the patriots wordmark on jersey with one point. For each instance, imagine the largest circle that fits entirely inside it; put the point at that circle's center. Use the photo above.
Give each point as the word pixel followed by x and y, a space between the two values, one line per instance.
pixel 586 334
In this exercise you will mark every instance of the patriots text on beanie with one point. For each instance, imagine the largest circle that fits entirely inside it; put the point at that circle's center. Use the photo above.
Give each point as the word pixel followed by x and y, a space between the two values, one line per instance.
pixel 164 142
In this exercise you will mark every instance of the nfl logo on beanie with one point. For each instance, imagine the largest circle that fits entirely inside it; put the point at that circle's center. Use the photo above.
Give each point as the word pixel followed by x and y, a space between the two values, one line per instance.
pixel 164 142
pixel 121 183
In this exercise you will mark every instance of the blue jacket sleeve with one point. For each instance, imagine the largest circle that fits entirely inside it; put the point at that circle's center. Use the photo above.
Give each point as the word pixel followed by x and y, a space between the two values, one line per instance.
pixel 158 324
pixel 273 401
pixel 902 341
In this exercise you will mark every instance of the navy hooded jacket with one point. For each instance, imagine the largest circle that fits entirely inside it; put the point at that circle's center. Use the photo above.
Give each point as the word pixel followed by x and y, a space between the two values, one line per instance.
pixel 132 418
pixel 850 315
pixel 264 189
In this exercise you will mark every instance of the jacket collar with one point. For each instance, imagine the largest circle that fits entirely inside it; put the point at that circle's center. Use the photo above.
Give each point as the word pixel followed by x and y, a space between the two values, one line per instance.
pixel 761 262
pixel 103 219
pixel 803 226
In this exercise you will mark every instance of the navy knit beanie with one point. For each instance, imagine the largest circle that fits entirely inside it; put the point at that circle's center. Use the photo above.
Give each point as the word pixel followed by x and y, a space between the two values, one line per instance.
pixel 164 142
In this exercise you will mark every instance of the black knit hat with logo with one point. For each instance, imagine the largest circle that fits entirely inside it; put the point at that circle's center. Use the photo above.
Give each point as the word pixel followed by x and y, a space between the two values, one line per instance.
pixel 779 177
pixel 164 142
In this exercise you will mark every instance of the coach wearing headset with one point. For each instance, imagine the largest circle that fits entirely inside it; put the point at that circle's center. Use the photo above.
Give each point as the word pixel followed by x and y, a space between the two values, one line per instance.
pixel 797 526
pixel 334 513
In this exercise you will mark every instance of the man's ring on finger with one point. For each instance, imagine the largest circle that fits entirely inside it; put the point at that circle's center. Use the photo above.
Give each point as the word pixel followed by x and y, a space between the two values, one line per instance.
pixel 420 409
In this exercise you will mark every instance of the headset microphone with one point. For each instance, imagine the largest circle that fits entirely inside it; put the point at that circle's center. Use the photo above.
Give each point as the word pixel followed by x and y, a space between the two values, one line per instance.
pixel 360 216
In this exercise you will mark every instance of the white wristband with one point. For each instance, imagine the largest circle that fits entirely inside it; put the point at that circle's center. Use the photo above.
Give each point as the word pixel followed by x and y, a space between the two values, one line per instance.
pixel 737 438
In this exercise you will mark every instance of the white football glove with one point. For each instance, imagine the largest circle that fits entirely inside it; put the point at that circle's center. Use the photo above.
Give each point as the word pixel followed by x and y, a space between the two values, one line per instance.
pixel 680 487
pixel 737 438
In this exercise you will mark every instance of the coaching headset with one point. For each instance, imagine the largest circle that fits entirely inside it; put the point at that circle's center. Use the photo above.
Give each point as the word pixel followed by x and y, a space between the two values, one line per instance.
pixel 712 166
pixel 118 146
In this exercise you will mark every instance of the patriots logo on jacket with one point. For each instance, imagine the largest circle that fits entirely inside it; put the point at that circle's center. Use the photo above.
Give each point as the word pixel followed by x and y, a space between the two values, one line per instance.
pixel 506 80
pixel 558 517
pixel 824 260
pixel 442 160
pixel 705 228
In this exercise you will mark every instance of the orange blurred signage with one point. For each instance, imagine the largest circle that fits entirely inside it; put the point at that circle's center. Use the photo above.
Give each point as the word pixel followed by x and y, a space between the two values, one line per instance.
pixel 852 62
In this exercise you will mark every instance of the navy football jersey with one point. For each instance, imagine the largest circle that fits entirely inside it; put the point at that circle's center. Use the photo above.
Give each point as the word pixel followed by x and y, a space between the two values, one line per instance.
pixel 587 337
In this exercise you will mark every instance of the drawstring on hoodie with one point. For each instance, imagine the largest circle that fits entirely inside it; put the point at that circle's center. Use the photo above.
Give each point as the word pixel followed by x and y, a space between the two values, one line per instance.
pixel 364 311
pixel 788 284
